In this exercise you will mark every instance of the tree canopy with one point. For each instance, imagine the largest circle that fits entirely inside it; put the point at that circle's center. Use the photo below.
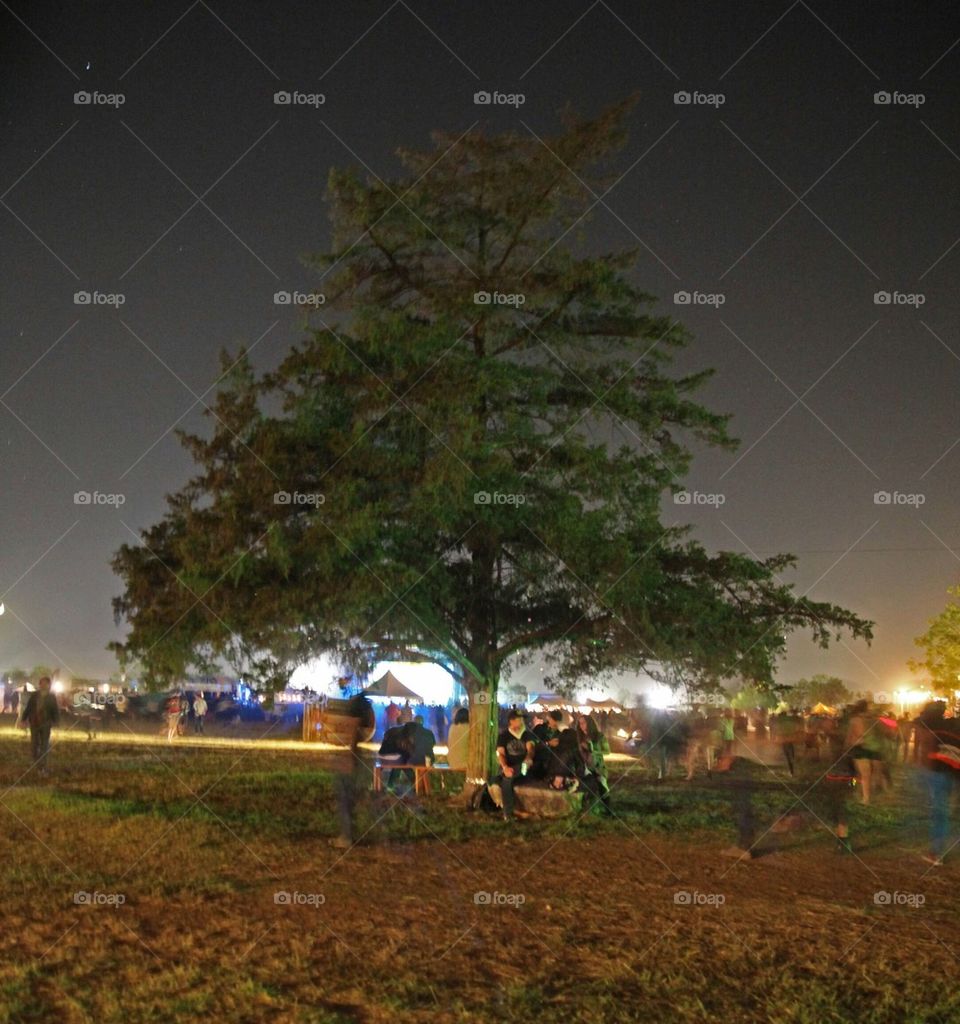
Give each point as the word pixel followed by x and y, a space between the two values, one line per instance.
pixel 818 689
pixel 941 646
pixel 465 457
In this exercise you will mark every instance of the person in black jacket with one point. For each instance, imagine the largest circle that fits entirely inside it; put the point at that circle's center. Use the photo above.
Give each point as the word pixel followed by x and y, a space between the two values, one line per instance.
pixel 41 714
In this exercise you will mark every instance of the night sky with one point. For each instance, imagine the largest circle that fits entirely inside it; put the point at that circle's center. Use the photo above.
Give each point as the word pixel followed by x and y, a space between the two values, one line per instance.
pixel 797 200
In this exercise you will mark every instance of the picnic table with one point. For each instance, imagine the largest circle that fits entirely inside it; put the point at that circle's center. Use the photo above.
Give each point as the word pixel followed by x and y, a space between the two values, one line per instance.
pixel 421 774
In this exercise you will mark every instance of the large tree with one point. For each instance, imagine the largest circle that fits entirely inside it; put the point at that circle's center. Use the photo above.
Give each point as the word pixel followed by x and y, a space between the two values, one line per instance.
pixel 476 435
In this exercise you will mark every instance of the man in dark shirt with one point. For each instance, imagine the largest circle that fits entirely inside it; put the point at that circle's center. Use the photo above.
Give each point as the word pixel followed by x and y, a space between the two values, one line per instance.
pixel 423 742
pixel 515 747
pixel 41 713
pixel 546 762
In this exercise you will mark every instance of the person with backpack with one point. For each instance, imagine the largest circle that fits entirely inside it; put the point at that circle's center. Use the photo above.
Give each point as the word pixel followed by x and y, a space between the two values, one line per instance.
pixel 938 745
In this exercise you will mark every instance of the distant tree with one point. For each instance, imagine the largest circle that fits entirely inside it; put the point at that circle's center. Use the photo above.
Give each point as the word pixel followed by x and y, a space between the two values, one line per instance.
pixel 754 697
pixel 464 460
pixel 818 689
pixel 17 676
pixel 941 647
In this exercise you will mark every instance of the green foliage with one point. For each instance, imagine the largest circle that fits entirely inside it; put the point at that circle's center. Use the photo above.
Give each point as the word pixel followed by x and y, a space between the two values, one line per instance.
pixel 487 478
pixel 818 689
pixel 941 647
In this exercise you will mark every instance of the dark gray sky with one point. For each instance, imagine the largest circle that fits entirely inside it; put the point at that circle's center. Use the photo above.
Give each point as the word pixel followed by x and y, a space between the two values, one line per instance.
pixel 797 200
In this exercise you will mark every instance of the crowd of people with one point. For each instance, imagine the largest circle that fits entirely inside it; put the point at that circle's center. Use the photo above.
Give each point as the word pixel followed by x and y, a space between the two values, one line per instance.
pixel 859 747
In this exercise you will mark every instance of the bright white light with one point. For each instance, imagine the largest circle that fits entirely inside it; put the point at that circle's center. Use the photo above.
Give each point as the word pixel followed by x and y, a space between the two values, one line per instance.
pixel 660 697
pixel 319 674
pixel 105 688
pixel 913 696
pixel 57 686
pixel 432 682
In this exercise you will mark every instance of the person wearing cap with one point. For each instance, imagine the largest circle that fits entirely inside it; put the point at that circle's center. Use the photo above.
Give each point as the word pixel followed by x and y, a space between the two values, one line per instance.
pixel 515 747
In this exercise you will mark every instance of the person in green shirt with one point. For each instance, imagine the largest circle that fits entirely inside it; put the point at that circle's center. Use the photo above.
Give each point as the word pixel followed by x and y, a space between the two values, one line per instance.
pixel 594 746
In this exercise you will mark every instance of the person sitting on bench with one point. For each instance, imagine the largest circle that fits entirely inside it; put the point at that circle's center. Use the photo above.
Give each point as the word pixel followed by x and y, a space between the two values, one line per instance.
pixel 423 743
pixel 397 746
pixel 515 747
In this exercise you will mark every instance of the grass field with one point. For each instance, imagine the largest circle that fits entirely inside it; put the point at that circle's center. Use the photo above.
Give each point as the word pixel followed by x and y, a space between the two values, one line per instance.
pixel 214 894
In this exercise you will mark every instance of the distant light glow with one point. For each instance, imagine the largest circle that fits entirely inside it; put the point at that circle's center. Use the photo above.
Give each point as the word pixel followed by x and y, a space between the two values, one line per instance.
pixel 913 696
pixel 661 697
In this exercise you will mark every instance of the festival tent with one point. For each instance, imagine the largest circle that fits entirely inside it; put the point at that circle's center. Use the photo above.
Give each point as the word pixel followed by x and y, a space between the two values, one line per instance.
pixel 609 704
pixel 389 686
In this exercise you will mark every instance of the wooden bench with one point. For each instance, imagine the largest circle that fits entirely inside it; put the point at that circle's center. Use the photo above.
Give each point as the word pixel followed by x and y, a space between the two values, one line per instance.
pixel 421 774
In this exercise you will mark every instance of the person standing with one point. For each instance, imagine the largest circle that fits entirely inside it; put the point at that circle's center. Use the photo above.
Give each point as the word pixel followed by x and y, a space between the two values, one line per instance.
pixel 406 714
pixel 863 745
pixel 391 716
pixel 593 748
pixel 515 749
pixel 199 713
pixel 359 721
pixel 172 711
pixel 440 722
pixel 41 714
pixel 458 740
pixel 937 752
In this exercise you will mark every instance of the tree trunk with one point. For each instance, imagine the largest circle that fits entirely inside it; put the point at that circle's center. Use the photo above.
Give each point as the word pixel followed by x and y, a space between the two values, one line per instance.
pixel 481 743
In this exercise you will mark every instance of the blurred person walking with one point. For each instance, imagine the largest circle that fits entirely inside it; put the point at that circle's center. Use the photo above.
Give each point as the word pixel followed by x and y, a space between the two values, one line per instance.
pixel 863 745
pixel 346 734
pixel 938 743
pixel 41 713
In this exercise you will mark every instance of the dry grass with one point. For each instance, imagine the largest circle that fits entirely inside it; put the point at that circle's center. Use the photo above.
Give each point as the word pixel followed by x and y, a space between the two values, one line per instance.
pixel 199 839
